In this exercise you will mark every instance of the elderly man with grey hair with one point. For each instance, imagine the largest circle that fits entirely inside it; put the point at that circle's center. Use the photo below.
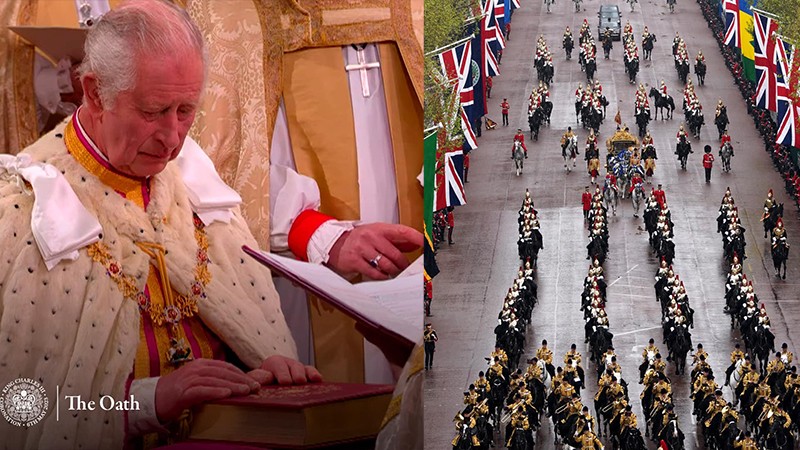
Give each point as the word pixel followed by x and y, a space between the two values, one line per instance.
pixel 122 275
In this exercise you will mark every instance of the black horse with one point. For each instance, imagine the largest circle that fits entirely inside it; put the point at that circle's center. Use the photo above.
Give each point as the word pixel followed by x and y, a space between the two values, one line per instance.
pixel 632 68
pixel 700 71
pixel 534 122
pixel 661 103
pixel 568 45
pixel 696 121
pixel 721 121
pixel 679 342
pixel 683 149
pixel 590 66
pixel 780 253
pixel 647 45
pixel 683 71
pixel 774 212
pixel 642 118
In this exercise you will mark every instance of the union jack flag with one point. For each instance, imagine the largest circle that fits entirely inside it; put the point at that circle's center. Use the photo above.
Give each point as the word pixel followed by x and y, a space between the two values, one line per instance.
pixel 515 4
pixel 500 13
pixel 732 38
pixel 763 29
pixel 788 111
pixel 456 64
pixel 450 190
pixel 492 37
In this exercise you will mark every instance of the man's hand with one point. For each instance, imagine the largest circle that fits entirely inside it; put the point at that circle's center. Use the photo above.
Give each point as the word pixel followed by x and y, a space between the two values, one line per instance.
pixel 279 369
pixel 197 382
pixel 353 251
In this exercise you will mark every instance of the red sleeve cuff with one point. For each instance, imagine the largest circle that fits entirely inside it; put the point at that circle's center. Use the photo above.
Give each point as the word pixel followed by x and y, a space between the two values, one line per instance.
pixel 302 229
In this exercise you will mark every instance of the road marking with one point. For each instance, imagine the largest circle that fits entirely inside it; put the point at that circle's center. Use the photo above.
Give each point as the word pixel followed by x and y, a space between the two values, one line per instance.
pixel 624 333
pixel 618 278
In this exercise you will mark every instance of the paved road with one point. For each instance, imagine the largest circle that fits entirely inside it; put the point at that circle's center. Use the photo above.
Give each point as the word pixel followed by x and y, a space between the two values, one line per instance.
pixel 479 268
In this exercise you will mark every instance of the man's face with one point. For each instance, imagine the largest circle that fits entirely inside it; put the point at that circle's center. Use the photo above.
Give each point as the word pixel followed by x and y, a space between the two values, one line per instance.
pixel 148 124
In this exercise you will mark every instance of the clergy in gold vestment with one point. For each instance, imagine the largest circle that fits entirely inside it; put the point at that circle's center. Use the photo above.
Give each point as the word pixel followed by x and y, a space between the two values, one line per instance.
pixel 278 81
pixel 280 94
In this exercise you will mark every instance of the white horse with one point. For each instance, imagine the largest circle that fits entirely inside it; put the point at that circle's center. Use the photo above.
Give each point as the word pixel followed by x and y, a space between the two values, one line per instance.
pixel 610 198
pixel 570 150
pixel 725 153
pixel 735 378
pixel 638 197
pixel 519 156
pixel 545 376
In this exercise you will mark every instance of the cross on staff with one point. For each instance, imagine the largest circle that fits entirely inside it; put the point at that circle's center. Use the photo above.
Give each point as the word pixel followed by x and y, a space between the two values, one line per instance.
pixel 363 66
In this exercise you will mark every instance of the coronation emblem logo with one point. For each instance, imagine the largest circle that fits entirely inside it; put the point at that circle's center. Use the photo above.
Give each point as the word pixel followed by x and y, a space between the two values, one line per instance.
pixel 23 402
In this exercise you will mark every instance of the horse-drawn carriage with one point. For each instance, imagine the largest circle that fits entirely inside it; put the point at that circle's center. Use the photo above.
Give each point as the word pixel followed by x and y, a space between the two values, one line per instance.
pixel 621 141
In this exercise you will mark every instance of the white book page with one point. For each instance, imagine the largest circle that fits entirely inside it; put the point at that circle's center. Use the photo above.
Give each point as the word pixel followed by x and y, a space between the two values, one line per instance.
pixel 389 303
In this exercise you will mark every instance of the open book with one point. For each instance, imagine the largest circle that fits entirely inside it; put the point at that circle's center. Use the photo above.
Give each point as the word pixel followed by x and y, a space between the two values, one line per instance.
pixel 388 313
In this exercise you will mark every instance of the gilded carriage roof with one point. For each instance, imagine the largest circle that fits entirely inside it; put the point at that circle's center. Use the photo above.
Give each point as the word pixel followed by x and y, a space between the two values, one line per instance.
pixel 621 136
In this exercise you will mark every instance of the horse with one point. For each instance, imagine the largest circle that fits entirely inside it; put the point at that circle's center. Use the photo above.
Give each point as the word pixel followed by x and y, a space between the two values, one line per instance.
pixel 696 121
pixel 721 121
pixel 700 71
pixel 647 46
pixel 570 150
pixel 671 4
pixel 632 68
pixel 568 45
pixel 736 376
pixel 672 435
pixel 534 122
pixel 519 156
pixel 725 153
pixel 683 149
pixel 590 66
pixel 762 343
pixel 642 118
pixel 681 341
pixel 637 197
pixel 662 102
pixel 771 220
pixel 683 71
pixel 780 253
pixel 547 110
pixel 610 198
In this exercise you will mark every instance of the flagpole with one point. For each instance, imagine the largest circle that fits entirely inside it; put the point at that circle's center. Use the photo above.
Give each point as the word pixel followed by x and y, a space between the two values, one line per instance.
pixel 765 13
pixel 448 46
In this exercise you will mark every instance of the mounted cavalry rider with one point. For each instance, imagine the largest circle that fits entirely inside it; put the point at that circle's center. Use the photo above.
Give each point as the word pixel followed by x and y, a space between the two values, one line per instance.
pixel 725 139
pixel 675 43
pixel 768 203
pixel 546 355
pixel 519 137
pixel 567 137
pixel 681 132
pixel 736 355
pixel 572 360
pixel 700 58
pixel 778 233
pixel 663 89
pixel 611 182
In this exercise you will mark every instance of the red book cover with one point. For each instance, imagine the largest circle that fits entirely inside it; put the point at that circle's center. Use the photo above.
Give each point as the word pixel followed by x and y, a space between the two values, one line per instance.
pixel 308 395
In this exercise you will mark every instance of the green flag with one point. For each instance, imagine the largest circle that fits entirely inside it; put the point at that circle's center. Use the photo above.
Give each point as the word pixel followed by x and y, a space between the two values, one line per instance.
pixel 429 178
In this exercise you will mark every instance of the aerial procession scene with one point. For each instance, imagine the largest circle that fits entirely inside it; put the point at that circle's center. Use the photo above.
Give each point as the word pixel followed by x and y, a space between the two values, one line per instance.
pixel 616 196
